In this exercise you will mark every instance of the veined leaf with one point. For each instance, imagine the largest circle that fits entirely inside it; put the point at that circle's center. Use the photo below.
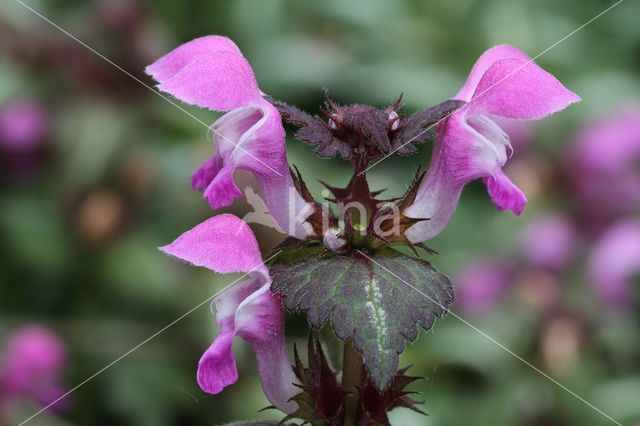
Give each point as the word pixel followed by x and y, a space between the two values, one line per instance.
pixel 378 301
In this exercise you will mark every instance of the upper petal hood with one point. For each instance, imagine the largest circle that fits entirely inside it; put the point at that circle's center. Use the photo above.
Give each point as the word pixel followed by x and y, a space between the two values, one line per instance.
pixel 488 58
pixel 515 88
pixel 184 55
pixel 223 243
pixel 209 72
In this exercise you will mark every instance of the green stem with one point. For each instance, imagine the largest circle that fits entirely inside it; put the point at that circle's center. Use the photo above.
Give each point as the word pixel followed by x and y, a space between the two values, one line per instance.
pixel 351 372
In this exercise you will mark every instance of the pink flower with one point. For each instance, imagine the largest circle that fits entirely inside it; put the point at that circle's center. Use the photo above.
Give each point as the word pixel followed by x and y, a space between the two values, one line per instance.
pixel 24 125
pixel 481 284
pixel 33 362
pixel 210 72
pixel 603 163
pixel 549 242
pixel 470 145
pixel 226 244
pixel 614 261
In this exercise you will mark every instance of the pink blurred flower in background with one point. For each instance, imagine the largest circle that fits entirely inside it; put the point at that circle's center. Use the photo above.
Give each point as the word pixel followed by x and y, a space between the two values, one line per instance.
pixel 469 144
pixel 614 262
pixel 32 365
pixel 549 241
pixel 481 284
pixel 25 129
pixel 24 125
pixel 604 169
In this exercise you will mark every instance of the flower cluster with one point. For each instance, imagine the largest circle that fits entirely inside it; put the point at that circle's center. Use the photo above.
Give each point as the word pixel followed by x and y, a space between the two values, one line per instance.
pixel 211 72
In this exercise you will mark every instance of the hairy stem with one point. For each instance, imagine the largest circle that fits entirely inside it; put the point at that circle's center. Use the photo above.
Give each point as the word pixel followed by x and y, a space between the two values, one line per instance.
pixel 351 372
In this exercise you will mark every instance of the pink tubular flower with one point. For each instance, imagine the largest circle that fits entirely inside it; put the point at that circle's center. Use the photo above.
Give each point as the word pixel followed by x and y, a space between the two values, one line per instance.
pixel 210 72
pixel 482 283
pixel 226 244
pixel 550 242
pixel 604 167
pixel 33 361
pixel 614 261
pixel 470 145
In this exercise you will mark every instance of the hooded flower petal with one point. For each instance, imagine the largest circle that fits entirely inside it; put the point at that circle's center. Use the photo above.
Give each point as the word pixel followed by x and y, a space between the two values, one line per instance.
pixel 614 261
pixel 223 244
pixel 488 58
pixel 169 65
pixel 226 244
pixel 211 72
pixel 470 144
pixel 516 88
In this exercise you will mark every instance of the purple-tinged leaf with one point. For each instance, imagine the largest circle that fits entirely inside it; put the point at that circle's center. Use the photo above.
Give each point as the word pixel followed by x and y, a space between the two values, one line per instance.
pixel 372 123
pixel 377 301
pixel 415 129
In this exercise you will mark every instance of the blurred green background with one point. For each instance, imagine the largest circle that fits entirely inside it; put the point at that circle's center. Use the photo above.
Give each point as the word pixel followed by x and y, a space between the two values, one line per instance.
pixel 79 231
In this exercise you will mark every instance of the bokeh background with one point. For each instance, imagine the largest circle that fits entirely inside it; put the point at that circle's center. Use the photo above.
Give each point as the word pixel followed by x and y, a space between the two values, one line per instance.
pixel 95 176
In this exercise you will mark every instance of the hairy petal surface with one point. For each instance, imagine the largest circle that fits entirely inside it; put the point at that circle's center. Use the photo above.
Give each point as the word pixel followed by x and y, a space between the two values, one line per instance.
pixel 515 88
pixel 207 76
pixel 175 61
pixel 504 193
pixel 469 144
pixel 252 138
pixel 488 58
pixel 223 244
pixel 212 73
pixel 217 367
pixel 226 244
